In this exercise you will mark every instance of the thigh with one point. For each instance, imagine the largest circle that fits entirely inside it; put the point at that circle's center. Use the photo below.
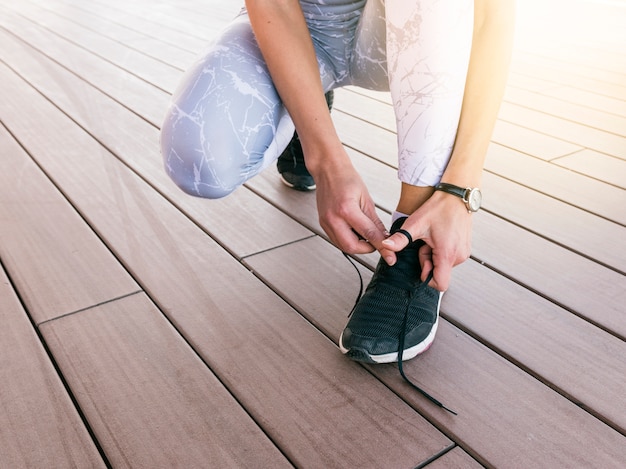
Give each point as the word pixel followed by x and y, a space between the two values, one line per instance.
pixel 222 126
pixel 428 50
pixel 368 67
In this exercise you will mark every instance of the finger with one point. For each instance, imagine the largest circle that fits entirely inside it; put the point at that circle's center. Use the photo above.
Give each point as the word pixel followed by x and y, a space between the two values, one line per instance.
pixel 441 273
pixel 425 254
pixel 373 216
pixel 396 242
pixel 441 277
pixel 371 230
pixel 389 256
pixel 411 231
pixel 346 238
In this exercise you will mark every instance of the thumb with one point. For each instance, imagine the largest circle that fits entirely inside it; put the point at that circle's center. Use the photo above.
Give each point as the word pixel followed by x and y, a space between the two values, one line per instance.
pixel 409 231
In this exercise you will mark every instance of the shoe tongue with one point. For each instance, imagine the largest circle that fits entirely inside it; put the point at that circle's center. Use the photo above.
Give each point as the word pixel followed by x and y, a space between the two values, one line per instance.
pixel 406 271
pixel 396 225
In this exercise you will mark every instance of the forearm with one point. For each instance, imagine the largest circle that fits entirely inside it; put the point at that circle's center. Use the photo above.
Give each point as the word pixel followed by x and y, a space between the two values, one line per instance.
pixel 484 88
pixel 287 48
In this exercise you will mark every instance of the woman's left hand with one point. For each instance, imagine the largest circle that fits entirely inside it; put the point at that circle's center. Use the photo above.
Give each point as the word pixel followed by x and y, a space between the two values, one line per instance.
pixel 445 225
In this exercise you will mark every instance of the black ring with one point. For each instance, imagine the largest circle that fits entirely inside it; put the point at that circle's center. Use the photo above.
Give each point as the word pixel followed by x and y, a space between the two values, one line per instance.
pixel 407 234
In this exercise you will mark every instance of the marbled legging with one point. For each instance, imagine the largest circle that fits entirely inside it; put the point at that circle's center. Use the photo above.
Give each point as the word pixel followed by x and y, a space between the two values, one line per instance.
pixel 227 123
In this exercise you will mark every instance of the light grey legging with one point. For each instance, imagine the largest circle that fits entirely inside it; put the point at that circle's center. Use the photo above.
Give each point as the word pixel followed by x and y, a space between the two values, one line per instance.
pixel 227 122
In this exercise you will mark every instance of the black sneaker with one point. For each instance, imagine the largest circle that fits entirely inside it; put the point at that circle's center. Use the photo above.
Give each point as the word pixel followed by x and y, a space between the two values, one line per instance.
pixel 291 165
pixel 396 313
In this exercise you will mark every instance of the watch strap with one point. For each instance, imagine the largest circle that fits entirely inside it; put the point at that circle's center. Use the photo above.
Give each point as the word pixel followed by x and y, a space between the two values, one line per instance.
pixel 452 189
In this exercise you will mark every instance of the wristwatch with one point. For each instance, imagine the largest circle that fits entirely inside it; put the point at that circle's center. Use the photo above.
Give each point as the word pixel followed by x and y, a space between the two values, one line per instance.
pixel 471 196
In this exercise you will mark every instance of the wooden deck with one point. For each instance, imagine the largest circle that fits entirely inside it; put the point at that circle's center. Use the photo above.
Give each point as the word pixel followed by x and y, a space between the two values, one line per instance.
pixel 145 328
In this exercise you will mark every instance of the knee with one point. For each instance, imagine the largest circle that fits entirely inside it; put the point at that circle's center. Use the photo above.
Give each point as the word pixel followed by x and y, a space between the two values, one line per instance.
pixel 192 158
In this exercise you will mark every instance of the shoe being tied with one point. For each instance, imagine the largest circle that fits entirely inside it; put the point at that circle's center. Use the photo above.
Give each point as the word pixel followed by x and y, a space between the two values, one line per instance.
pixel 396 312
pixel 290 164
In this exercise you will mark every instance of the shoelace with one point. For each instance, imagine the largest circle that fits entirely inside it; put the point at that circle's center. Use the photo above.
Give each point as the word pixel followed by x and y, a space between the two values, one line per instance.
pixel 402 337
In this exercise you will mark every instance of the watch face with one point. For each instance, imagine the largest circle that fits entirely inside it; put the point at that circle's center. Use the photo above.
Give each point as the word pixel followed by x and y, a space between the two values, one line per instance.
pixel 474 200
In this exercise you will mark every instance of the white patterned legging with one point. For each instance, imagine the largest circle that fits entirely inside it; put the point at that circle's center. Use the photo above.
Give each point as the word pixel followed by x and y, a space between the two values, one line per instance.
pixel 227 123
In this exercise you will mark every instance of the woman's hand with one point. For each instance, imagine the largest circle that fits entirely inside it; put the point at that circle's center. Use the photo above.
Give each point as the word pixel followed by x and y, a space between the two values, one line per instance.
pixel 346 211
pixel 445 225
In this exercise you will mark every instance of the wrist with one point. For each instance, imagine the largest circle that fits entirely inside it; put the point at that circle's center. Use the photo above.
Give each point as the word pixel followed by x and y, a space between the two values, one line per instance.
pixel 464 169
pixel 326 157
pixel 470 196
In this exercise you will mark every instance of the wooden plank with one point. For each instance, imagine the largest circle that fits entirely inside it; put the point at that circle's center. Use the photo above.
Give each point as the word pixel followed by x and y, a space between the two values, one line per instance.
pixel 40 425
pixel 530 83
pixel 576 189
pixel 179 22
pixel 558 77
pixel 356 104
pixel 577 283
pixel 568 111
pixel 588 99
pixel 531 142
pixel 562 223
pixel 171 54
pixel 380 143
pixel 148 101
pixel 281 369
pixel 492 391
pixel 153 71
pixel 150 400
pixel 597 165
pixel 558 347
pixel 169 29
pixel 455 459
pixel 55 260
pixel 132 139
pixel 582 22
pixel 585 54
pixel 498 409
pixel 577 69
pixel 569 131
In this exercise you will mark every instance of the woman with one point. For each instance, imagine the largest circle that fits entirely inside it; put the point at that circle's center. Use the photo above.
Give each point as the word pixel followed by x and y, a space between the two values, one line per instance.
pixel 445 63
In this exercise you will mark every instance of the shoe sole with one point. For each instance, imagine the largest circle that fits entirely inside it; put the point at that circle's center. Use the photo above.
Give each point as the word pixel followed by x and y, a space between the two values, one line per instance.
pixel 411 352
pixel 298 187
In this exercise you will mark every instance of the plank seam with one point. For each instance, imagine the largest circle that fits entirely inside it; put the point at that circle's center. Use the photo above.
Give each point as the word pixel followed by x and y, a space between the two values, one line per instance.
pixel 243 258
pixel 441 453
pixel 87 308
pixel 64 382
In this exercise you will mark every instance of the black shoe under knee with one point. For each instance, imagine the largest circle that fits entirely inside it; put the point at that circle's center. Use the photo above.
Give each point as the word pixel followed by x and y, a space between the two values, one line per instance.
pixel 290 164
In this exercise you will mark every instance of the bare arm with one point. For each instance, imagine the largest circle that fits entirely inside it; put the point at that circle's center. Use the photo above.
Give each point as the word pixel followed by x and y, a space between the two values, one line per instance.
pixel 286 45
pixel 442 221
pixel 342 199
pixel 486 79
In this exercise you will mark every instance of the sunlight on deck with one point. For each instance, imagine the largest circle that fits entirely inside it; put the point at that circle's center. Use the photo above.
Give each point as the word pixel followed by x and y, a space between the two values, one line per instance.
pixel 544 24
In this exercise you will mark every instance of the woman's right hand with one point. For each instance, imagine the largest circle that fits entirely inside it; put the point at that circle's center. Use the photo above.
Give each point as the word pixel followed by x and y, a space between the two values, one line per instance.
pixel 346 211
